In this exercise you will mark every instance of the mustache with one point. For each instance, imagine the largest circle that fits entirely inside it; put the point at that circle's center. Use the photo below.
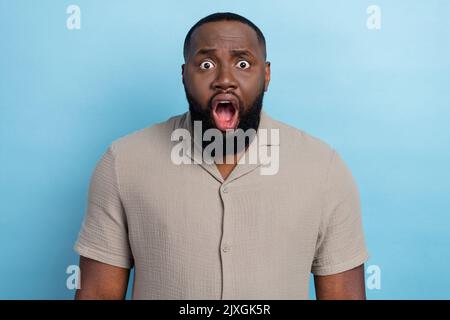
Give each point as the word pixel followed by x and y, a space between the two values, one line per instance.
pixel 241 105
pixel 249 115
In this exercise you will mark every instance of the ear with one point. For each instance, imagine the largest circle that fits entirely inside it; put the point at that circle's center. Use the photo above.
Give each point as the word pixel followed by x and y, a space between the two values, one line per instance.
pixel 267 76
pixel 182 72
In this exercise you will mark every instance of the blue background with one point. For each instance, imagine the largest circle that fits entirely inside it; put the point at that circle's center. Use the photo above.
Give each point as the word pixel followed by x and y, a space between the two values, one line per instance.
pixel 381 98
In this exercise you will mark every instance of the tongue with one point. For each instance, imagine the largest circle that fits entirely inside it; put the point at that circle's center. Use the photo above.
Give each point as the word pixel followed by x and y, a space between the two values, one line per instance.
pixel 225 112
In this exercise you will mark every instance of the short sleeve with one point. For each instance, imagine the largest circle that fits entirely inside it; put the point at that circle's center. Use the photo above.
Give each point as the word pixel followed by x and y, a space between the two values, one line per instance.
pixel 104 233
pixel 340 243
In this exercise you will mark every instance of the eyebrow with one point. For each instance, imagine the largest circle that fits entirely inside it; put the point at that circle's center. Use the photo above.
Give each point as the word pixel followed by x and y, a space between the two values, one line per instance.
pixel 241 52
pixel 234 52
pixel 204 51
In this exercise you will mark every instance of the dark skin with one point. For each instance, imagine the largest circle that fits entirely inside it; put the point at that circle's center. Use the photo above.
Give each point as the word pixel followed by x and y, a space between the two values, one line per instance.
pixel 225 44
pixel 101 281
pixel 347 285
pixel 237 64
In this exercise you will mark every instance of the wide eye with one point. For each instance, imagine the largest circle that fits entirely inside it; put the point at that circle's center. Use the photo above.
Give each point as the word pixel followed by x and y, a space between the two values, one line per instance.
pixel 242 64
pixel 206 65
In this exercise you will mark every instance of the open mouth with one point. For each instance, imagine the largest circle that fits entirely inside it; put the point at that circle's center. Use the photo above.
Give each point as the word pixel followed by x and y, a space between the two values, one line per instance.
pixel 225 111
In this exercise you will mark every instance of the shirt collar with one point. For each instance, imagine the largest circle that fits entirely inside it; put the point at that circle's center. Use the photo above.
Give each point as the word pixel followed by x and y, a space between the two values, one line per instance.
pixel 195 151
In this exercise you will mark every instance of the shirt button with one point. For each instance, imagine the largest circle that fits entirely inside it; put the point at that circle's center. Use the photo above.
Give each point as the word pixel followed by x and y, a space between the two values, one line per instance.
pixel 225 189
pixel 226 248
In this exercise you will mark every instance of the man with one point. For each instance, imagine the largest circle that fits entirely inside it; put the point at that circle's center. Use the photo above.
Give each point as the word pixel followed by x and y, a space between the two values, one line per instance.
pixel 222 230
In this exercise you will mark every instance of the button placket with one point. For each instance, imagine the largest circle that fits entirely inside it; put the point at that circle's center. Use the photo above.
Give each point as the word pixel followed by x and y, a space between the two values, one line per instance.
pixel 226 248
pixel 226 244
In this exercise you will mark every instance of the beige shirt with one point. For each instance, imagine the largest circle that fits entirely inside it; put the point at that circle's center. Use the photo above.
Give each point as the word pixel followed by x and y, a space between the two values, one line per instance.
pixel 191 235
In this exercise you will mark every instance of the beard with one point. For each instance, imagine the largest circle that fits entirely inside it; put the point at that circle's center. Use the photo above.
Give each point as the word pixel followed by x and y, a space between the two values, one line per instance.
pixel 249 118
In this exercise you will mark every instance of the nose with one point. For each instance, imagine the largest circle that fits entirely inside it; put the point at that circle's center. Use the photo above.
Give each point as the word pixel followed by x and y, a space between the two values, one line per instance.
pixel 224 80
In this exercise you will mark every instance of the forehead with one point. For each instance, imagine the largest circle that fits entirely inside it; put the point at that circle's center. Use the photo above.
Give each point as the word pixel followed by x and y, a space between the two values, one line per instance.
pixel 225 35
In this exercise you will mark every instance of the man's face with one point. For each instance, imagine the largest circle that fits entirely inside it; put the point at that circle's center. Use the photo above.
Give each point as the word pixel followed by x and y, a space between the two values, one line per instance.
pixel 225 76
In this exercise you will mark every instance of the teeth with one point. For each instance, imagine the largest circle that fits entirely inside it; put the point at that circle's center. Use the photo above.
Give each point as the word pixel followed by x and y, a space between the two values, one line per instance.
pixel 225 101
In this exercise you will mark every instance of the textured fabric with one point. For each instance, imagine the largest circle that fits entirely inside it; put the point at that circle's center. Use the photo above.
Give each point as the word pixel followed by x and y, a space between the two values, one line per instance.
pixel 191 235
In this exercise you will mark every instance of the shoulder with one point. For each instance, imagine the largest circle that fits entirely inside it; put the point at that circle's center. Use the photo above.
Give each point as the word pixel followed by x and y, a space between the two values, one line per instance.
pixel 301 143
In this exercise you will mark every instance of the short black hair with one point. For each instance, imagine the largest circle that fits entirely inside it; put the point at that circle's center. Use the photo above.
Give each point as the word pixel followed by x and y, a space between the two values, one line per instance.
pixel 224 16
